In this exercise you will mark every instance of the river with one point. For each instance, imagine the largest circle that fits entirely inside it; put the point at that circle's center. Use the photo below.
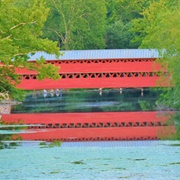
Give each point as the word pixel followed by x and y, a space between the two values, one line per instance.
pixel 89 100
pixel 131 160
pixel 134 160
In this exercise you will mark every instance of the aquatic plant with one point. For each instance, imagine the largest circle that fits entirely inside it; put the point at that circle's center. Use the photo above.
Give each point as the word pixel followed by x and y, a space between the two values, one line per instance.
pixel 55 143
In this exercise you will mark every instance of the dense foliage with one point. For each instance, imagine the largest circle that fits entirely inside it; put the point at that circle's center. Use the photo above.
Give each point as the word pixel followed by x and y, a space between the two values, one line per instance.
pixel 159 28
pixel 76 24
pixel 92 24
pixel 21 24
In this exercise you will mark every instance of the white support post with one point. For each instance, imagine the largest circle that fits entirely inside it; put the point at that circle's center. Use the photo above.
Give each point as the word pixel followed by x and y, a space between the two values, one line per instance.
pixel 142 92
pixel 100 91
pixel 120 90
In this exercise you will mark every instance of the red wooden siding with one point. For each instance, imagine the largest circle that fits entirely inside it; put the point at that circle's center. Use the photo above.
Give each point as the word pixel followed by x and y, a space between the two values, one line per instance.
pixel 93 126
pixel 94 134
pixel 100 73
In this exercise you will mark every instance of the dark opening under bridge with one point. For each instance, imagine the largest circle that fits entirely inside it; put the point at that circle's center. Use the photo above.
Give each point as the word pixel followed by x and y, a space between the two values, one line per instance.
pixel 96 69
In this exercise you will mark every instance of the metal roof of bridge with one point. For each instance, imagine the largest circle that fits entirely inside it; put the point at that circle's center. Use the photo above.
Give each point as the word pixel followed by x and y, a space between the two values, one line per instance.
pixel 99 54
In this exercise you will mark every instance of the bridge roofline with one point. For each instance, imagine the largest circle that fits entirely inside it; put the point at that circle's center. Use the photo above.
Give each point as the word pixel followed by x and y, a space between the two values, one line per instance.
pixel 99 54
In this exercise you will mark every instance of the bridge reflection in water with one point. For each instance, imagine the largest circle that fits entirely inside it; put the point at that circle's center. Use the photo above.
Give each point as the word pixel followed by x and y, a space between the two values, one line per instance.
pixel 86 115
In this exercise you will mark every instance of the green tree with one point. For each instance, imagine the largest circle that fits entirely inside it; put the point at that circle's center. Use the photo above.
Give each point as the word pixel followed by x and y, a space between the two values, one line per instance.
pixel 120 16
pixel 159 28
pixel 119 36
pixel 76 24
pixel 21 24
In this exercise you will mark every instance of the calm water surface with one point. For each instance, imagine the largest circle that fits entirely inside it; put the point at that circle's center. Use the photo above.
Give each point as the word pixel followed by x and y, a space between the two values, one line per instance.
pixel 131 160
pixel 89 101
pixel 139 160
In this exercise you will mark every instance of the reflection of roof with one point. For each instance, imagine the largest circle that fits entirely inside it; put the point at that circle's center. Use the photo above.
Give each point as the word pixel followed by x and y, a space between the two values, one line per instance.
pixel 100 54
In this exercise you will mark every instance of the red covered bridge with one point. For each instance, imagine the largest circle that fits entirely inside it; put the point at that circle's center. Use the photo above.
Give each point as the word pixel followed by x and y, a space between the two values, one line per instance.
pixel 96 69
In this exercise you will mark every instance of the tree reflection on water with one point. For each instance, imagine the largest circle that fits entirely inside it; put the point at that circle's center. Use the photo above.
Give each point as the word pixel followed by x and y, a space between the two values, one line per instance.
pixel 88 100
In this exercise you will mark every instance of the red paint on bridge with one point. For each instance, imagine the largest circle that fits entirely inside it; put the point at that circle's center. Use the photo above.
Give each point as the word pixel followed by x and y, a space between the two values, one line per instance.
pixel 118 65
pixel 125 82
pixel 46 118
pixel 99 73
pixel 94 134
pixel 93 126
